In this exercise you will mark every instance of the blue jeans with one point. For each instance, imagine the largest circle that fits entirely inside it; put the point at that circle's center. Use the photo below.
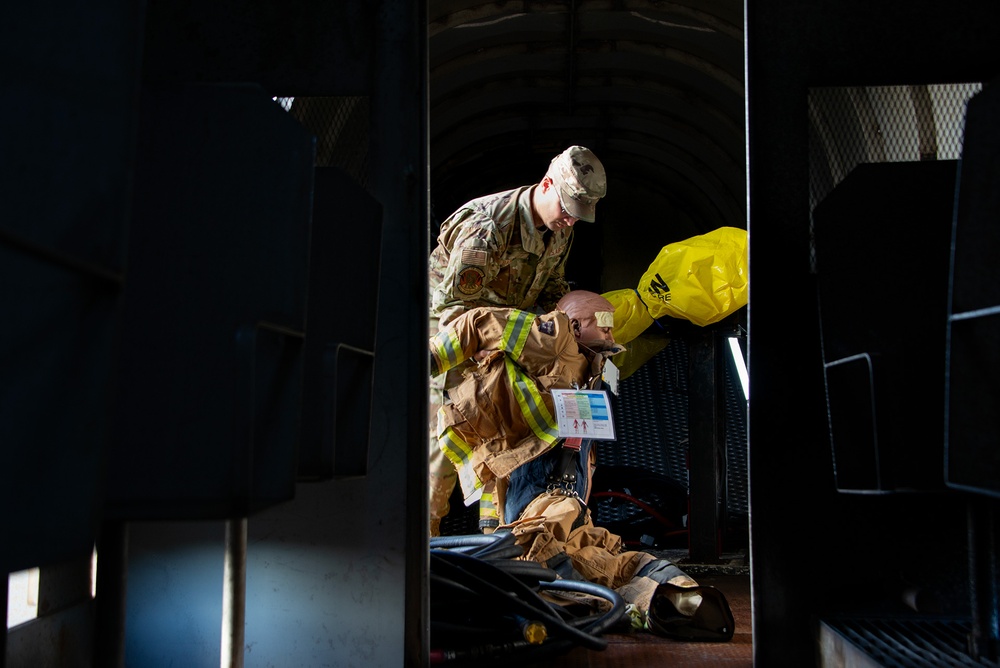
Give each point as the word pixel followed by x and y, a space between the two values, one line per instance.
pixel 531 479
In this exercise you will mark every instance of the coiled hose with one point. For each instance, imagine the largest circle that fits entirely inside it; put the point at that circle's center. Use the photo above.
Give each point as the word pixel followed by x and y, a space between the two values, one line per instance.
pixel 486 608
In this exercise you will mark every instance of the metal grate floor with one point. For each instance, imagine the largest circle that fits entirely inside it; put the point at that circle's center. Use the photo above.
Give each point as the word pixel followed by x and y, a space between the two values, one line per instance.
pixel 909 643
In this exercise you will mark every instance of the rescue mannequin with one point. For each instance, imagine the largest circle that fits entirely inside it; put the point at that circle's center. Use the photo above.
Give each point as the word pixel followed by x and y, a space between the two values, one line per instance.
pixel 505 250
pixel 500 433
pixel 501 414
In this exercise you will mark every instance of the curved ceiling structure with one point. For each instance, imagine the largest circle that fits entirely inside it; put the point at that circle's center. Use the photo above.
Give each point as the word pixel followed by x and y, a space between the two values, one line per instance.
pixel 654 88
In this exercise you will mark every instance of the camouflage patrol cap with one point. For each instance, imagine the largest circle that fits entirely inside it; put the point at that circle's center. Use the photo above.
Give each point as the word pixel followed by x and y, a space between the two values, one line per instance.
pixel 580 180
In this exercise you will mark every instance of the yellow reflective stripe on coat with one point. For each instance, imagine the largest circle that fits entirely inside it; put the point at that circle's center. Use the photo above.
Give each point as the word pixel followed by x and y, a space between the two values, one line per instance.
pixel 448 349
pixel 487 507
pixel 529 399
pixel 459 452
pixel 515 334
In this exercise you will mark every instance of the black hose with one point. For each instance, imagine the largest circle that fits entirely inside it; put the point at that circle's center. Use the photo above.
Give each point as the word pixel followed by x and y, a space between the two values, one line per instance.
pixel 605 621
pixel 498 545
pixel 473 573
pixel 527 570
pixel 481 575
pixel 478 539
pixel 438 542
pixel 500 553
pixel 479 584
pixel 439 583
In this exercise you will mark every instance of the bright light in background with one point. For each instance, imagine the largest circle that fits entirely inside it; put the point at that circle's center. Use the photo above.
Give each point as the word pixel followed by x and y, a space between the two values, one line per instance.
pixel 741 366
pixel 22 593
pixel 93 573
pixel 22 597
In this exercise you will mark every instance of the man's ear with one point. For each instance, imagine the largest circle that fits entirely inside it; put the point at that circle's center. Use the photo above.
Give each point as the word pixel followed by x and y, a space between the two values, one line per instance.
pixel 577 330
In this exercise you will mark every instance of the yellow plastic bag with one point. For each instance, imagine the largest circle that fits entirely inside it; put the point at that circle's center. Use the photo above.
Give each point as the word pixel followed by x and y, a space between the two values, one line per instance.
pixel 702 279
pixel 631 316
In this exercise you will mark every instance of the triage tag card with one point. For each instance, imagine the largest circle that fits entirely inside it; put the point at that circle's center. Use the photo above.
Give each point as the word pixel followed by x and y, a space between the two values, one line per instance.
pixel 610 376
pixel 584 413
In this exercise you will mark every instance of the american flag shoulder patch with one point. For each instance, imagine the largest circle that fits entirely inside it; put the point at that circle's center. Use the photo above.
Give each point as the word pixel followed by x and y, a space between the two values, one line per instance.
pixel 475 257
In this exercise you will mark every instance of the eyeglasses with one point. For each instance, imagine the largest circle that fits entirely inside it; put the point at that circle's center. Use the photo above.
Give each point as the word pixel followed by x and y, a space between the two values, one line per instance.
pixel 565 213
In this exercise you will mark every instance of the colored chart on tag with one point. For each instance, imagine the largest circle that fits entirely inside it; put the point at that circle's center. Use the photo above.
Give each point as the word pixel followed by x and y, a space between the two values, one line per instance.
pixel 584 414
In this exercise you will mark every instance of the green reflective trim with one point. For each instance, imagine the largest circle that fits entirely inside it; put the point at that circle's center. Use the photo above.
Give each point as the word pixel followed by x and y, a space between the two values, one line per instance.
pixel 448 349
pixel 456 449
pixel 487 508
pixel 529 399
pixel 515 334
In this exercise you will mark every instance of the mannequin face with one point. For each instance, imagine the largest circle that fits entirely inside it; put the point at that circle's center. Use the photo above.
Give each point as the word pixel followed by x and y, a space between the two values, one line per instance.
pixel 588 333
pixel 550 210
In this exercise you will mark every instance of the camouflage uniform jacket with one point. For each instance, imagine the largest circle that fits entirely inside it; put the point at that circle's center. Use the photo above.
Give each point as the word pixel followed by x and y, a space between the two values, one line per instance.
pixel 489 253
pixel 501 414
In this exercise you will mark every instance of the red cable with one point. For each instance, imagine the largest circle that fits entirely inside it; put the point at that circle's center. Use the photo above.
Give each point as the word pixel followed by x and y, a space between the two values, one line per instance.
pixel 645 506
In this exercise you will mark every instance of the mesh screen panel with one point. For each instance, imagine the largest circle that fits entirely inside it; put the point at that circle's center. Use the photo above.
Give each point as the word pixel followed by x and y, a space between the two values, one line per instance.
pixel 341 125
pixel 651 417
pixel 853 125
pixel 651 421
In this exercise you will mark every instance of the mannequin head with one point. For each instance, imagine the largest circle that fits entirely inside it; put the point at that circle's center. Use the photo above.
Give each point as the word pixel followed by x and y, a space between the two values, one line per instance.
pixel 591 316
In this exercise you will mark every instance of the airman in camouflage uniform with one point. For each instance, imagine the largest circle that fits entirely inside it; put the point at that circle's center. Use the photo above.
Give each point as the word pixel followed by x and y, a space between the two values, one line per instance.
pixel 505 250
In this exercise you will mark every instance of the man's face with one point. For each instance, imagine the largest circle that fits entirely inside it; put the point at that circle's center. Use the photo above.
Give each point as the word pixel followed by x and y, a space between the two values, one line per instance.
pixel 553 215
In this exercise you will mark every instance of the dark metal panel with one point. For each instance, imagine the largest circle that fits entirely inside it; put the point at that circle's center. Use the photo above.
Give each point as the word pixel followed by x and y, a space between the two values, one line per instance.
pixel 707 431
pixel 973 356
pixel 58 345
pixel 354 551
pixel 883 223
pixel 902 42
pixel 290 48
pixel 341 321
pixel 70 86
pixel 792 45
pixel 400 181
pixel 210 394
pixel 70 83
pixel 111 596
